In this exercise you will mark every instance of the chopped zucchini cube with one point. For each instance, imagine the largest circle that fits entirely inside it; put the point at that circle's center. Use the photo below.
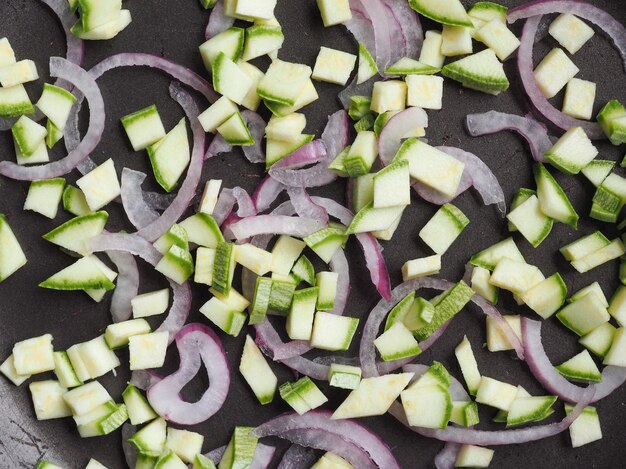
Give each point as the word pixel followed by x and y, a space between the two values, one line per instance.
pixel 334 11
pixel 554 71
pixel 389 96
pixel 148 350
pixel 44 196
pixel 48 400
pixel 331 332
pixel 570 32
pixel 100 186
pixel 333 66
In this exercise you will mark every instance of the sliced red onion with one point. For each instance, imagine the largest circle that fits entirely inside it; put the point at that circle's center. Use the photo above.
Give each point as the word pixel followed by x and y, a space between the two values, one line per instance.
pixel 367 352
pixel 218 145
pixel 607 24
pixel 312 152
pixel 256 126
pixel 69 72
pixel 266 193
pixel 138 212
pixel 525 67
pixel 131 243
pixel 346 430
pixel 446 458
pixel 539 363
pixel 297 457
pixel 471 436
pixel 179 312
pixel 196 344
pixel 127 285
pixel 130 452
pixel 397 36
pixel 336 133
pixel 275 224
pixel 143 379
pixel 228 199
pixel 176 71
pixel 181 306
pixel 361 27
pixel 482 179
pixel 75 46
pixel 379 15
pixel 262 456
pixel 316 176
pixel 218 21
pixel 194 172
pixel 320 439
pixel 371 247
pixel 305 207
pixel 535 133
pixel 410 25
pixel 397 127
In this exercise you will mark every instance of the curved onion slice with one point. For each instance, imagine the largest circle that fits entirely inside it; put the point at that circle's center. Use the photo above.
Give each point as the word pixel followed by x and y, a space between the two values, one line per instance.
pixel 361 27
pixel 266 193
pixel 127 285
pixel 297 457
pixel 367 352
pixel 539 363
pixel 194 172
pixel 481 177
pixel 394 131
pixel 346 430
pixel 226 202
pixel 493 122
pixel 256 126
pixel 410 25
pixel 72 73
pixel 607 24
pixel 139 213
pixel 275 224
pixel 196 344
pixel 179 312
pixel 378 13
pixel 75 47
pixel 525 68
pixel 176 71
pixel 446 458
pixel 217 146
pixel 305 207
pixel 320 439
pixel 397 36
pixel 471 436
pixel 218 21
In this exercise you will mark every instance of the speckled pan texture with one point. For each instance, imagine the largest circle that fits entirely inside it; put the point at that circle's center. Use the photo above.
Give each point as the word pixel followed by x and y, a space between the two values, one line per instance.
pixel 174 29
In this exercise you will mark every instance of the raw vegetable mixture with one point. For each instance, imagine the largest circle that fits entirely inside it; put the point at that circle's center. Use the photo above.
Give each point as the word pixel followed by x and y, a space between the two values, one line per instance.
pixel 430 275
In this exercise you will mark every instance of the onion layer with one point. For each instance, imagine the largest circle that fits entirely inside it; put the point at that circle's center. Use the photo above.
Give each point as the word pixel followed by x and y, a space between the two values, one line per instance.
pixel 196 344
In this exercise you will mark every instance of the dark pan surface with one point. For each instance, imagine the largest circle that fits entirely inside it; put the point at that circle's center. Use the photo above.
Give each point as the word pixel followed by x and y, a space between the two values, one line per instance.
pixel 174 29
